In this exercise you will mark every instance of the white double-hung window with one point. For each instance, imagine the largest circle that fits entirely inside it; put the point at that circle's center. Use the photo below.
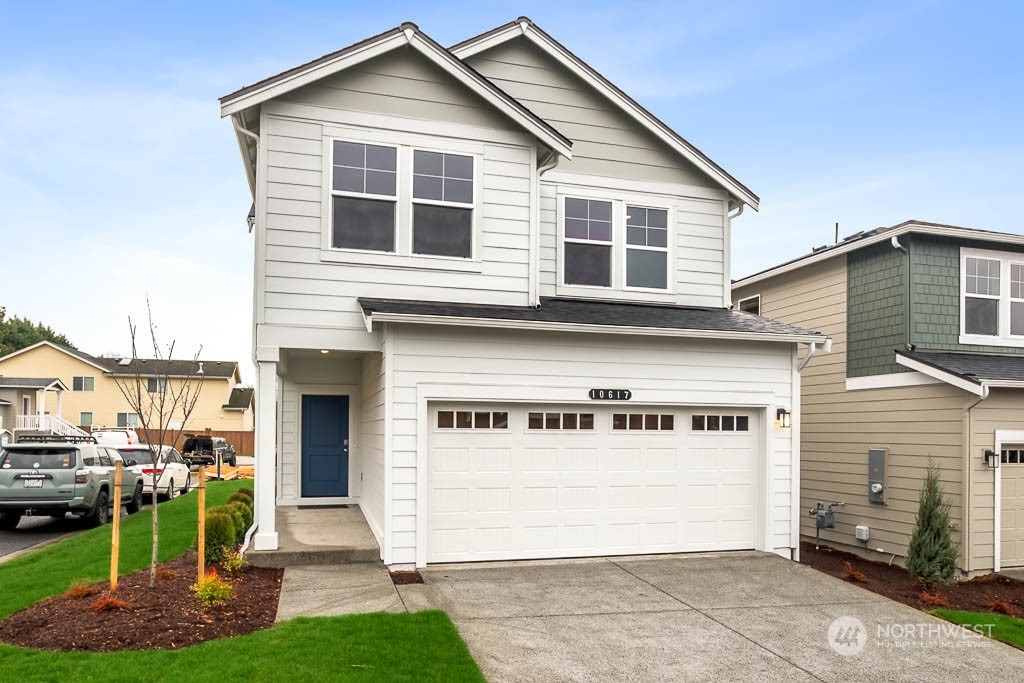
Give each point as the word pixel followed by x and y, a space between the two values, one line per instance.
pixel 615 244
pixel 991 298
pixel 403 199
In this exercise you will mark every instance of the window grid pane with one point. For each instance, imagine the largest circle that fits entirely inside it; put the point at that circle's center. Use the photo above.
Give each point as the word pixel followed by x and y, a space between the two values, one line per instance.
pixel 982 276
pixel 442 177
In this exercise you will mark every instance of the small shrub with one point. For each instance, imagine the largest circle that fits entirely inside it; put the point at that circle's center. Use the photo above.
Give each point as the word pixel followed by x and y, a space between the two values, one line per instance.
pixel 932 554
pixel 233 560
pixel 239 497
pixel 108 603
pixel 852 575
pixel 246 514
pixel 1001 607
pixel 236 516
pixel 933 599
pixel 78 590
pixel 245 492
pixel 220 534
pixel 212 589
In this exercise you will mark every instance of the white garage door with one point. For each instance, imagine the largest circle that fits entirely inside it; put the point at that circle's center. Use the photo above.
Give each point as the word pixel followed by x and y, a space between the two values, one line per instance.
pixel 1012 506
pixel 520 482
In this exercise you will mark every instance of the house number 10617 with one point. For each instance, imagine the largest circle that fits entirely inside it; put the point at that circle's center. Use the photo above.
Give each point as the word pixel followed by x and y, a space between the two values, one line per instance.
pixel 611 394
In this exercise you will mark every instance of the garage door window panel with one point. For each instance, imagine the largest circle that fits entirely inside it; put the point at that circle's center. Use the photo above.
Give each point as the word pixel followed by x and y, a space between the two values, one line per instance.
pixel 642 422
pixel 719 423
pixel 471 419
pixel 536 421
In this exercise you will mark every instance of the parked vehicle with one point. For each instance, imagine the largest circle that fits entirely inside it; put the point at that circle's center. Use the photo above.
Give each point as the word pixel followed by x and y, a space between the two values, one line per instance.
pixel 115 436
pixel 170 469
pixel 204 450
pixel 53 475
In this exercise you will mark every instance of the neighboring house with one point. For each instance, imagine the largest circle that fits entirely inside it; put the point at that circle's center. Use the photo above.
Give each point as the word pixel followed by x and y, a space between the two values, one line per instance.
pixel 928 323
pixel 26 405
pixel 91 397
pixel 491 307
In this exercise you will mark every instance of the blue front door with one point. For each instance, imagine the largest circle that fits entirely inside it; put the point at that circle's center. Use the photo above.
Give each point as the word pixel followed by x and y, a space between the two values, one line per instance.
pixel 324 446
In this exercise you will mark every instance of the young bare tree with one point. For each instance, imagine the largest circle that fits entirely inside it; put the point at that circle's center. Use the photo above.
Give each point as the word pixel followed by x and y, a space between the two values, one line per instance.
pixel 164 413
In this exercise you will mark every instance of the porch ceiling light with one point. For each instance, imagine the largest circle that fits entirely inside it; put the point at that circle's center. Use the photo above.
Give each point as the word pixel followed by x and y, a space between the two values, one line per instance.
pixel 783 418
pixel 324 351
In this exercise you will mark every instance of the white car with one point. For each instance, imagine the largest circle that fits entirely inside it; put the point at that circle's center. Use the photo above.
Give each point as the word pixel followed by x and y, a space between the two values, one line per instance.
pixel 171 472
pixel 115 436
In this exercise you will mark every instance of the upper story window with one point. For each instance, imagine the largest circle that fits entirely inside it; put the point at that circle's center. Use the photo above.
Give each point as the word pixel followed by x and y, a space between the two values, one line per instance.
pixel 400 199
pixel 992 298
pixel 84 383
pixel 156 385
pixel 364 196
pixel 752 304
pixel 615 244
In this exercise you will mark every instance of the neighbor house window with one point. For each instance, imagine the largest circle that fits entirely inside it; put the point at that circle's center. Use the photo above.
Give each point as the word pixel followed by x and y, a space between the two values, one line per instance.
pixel 83 383
pixel 130 420
pixel 156 385
pixel 588 242
pixel 442 204
pixel 85 419
pixel 992 298
pixel 646 247
pixel 364 196
pixel 752 304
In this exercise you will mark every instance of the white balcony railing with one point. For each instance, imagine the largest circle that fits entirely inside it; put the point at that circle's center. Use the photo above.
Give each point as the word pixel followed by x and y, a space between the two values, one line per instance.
pixel 47 423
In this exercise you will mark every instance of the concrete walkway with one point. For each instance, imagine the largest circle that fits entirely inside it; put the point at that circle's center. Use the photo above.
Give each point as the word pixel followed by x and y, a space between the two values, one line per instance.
pixel 725 616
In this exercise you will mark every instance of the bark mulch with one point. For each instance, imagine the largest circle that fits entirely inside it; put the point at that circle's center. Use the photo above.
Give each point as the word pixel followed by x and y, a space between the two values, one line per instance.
pixel 988 593
pixel 168 616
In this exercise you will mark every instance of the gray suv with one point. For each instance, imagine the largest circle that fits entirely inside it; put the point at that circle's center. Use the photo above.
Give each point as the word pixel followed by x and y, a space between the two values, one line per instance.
pixel 54 475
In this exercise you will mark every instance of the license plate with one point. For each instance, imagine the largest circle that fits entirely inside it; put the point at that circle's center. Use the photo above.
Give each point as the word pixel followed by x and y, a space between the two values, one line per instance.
pixel 33 483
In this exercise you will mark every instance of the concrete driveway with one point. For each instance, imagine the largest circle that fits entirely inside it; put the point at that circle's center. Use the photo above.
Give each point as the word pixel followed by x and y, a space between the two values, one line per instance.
pixel 728 616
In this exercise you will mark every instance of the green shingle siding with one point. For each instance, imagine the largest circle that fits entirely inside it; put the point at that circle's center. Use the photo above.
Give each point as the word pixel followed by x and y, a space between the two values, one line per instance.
pixel 875 313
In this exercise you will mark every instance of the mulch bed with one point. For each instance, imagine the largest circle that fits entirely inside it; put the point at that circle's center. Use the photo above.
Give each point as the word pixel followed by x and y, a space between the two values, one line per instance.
pixel 988 593
pixel 168 616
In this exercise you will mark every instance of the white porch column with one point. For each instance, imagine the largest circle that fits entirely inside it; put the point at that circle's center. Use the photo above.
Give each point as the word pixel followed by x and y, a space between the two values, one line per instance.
pixel 60 404
pixel 41 407
pixel 266 456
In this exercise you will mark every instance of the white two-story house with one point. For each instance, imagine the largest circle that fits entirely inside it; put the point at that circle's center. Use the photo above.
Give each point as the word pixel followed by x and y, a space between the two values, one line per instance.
pixel 492 309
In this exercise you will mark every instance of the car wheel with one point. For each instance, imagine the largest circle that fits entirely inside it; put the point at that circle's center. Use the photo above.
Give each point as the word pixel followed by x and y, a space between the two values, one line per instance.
pixel 135 504
pixel 101 512
pixel 188 486
pixel 9 521
pixel 172 492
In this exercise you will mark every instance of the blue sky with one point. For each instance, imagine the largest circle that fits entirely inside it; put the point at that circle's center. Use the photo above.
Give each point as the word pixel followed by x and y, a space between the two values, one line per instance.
pixel 119 180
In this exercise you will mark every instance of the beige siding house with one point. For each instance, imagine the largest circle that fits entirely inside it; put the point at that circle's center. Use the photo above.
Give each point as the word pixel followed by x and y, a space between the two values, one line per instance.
pixel 93 399
pixel 492 310
pixel 919 372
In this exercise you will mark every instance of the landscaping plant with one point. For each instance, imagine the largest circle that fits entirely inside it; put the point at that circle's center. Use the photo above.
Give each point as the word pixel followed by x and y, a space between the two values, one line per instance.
pixel 932 553
pixel 220 535
pixel 212 590
pixel 245 512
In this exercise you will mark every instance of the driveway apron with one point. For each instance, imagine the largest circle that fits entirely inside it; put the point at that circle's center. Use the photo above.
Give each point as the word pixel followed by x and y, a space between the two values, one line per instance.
pixel 722 616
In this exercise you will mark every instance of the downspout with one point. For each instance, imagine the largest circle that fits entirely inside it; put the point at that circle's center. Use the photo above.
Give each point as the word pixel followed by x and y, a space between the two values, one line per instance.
pixel 908 294
pixel 727 262
pixel 796 437
pixel 546 162
pixel 965 534
pixel 812 347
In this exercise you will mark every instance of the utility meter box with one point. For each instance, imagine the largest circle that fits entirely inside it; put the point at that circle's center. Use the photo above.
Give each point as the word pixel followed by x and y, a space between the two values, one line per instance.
pixel 876 475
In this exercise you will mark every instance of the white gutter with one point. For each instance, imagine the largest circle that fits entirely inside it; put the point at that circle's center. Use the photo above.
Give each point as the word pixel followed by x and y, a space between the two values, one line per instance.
pixel 458 321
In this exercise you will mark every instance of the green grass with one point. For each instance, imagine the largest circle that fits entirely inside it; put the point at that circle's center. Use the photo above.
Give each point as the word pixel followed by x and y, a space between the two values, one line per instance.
pixel 422 646
pixel 1010 630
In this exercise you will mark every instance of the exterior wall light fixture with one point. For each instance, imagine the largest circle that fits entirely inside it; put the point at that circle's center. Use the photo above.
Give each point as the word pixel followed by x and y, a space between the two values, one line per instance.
pixel 783 418
pixel 992 459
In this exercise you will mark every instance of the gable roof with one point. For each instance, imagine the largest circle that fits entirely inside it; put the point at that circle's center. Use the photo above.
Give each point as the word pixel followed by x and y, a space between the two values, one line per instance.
pixel 217 369
pixel 583 315
pixel 524 26
pixel 405 34
pixel 32 383
pixel 866 238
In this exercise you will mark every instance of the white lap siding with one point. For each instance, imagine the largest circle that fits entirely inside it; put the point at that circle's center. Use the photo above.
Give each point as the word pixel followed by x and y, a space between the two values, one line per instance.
pixel 435 363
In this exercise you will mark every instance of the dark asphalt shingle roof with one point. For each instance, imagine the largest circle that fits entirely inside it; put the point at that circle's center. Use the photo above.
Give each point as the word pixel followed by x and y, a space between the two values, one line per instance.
pixel 240 399
pixel 585 312
pixel 980 368
pixel 27 382
pixel 149 366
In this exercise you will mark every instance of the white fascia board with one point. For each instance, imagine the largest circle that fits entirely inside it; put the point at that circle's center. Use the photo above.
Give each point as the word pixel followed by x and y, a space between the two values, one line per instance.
pixel 313 73
pixel 937 230
pixel 589 328
pixel 584 72
pixel 889 381
pixel 975 388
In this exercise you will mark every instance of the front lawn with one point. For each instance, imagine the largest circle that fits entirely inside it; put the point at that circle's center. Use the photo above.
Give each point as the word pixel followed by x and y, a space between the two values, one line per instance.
pixel 423 646
pixel 1010 630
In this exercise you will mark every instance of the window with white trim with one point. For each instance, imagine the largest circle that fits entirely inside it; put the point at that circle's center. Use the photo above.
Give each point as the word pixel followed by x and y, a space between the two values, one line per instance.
pixel 991 298
pixel 156 385
pixel 442 204
pixel 85 419
pixel 751 304
pixel 588 242
pixel 646 247
pixel 130 420
pixel 364 196
pixel 83 383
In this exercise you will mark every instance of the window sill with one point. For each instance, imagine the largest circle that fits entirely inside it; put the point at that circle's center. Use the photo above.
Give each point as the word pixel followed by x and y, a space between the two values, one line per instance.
pixel 588 291
pixel 985 340
pixel 389 260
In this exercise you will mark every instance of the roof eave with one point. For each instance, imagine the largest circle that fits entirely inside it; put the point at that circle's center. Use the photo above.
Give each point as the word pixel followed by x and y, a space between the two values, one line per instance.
pixel 975 387
pixel 460 321
pixel 524 26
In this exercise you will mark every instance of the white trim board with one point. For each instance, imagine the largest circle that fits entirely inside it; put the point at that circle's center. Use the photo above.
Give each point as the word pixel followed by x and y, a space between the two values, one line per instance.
pixel 942 376
pixel 895 379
